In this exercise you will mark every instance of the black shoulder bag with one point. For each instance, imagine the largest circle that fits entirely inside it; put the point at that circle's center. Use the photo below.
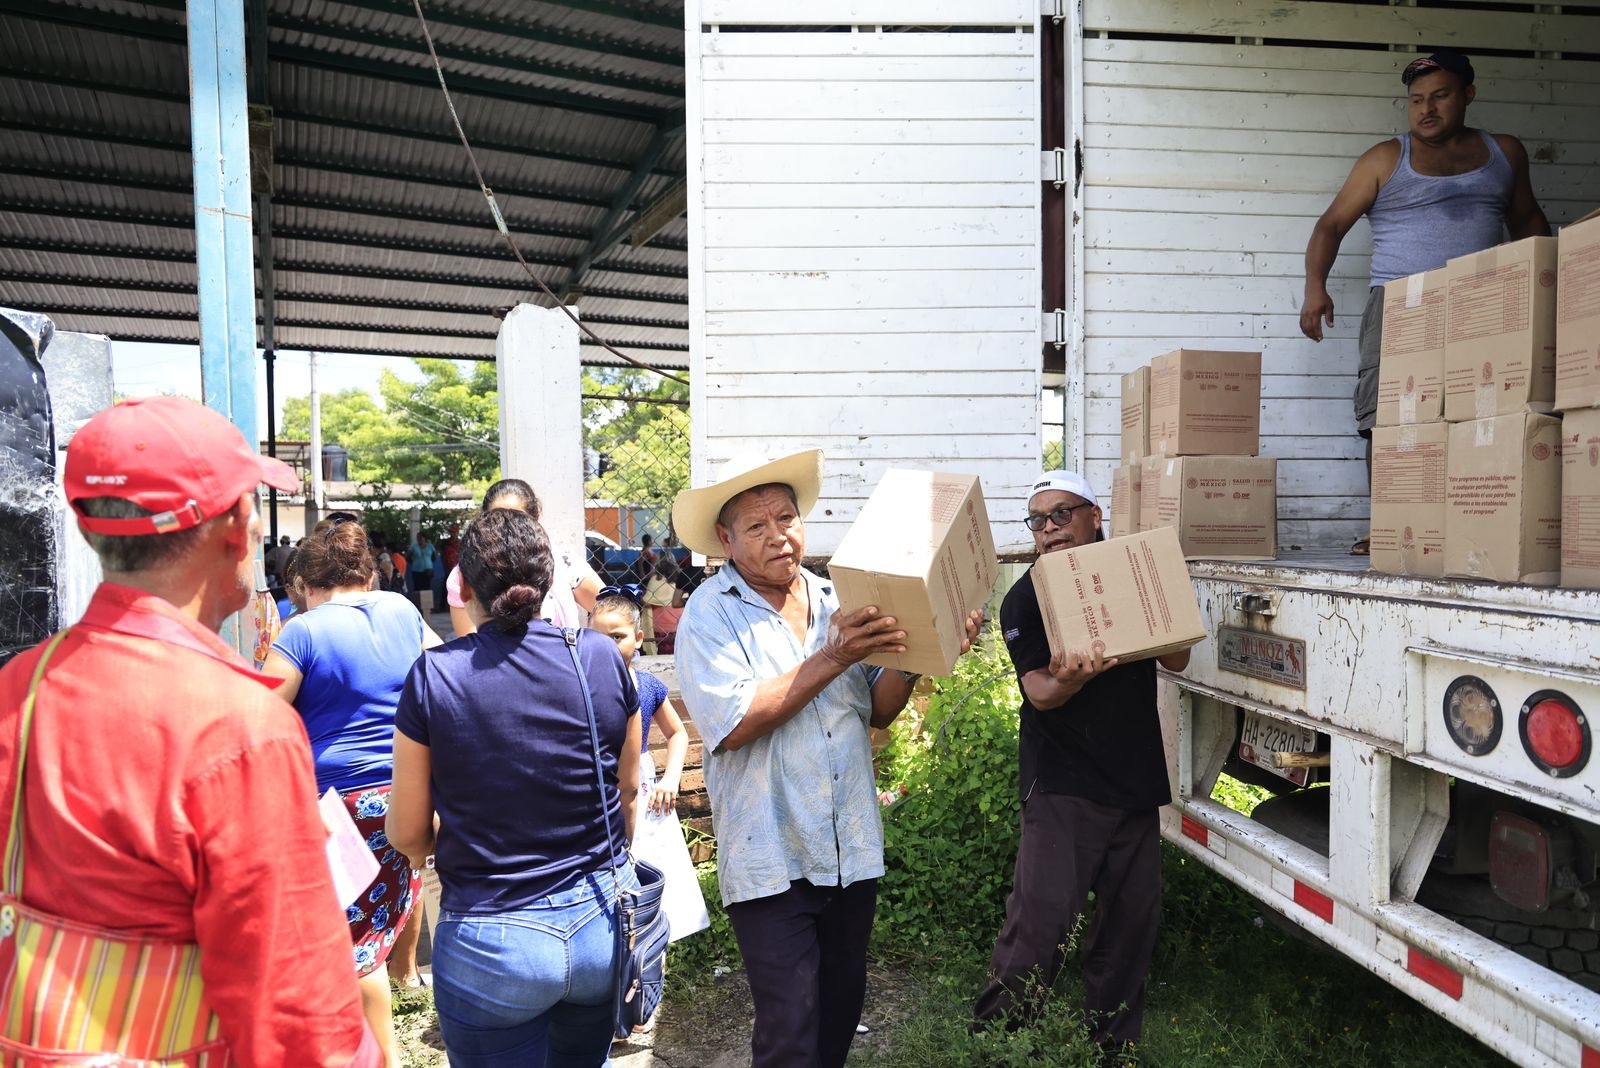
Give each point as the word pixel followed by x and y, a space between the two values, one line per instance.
pixel 642 932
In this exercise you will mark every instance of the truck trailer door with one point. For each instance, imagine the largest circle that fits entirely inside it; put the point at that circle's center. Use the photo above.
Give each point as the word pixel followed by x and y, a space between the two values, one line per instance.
pixel 865 243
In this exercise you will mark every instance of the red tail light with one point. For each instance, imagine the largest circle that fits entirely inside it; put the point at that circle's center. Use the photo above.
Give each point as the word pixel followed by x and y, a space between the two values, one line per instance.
pixel 1555 733
pixel 1519 861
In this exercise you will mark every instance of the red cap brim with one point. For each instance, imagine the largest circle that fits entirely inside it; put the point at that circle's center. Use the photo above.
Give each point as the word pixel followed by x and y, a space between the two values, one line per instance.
pixel 279 475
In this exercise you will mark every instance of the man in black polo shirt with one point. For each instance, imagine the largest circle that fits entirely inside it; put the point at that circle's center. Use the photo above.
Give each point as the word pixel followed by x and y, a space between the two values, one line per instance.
pixel 1093 774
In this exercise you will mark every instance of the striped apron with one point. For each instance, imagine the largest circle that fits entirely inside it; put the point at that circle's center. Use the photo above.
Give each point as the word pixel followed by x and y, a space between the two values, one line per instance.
pixel 76 995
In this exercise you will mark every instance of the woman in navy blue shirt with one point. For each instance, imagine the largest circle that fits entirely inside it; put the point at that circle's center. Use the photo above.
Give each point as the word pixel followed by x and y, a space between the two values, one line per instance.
pixel 493 735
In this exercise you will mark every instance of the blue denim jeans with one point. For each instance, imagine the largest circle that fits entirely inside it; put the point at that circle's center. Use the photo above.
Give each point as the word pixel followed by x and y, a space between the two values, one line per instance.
pixel 533 986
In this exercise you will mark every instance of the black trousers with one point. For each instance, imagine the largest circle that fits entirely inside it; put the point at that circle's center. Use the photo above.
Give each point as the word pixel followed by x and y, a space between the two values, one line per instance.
pixel 805 951
pixel 1071 846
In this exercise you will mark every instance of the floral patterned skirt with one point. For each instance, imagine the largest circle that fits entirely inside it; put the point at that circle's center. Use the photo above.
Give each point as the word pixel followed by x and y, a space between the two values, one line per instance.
pixel 379 915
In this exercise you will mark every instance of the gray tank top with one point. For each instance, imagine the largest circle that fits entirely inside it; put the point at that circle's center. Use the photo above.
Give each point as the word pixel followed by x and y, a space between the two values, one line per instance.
pixel 1419 221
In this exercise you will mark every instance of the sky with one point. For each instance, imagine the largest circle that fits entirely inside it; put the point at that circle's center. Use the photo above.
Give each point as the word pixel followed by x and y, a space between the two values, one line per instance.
pixel 140 368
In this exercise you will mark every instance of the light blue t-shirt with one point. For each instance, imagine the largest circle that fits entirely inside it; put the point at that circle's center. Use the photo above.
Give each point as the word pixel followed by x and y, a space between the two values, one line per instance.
pixel 802 801
pixel 422 557
pixel 354 653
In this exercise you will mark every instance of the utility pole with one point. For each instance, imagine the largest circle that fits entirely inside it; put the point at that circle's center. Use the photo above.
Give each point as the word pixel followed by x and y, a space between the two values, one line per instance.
pixel 316 449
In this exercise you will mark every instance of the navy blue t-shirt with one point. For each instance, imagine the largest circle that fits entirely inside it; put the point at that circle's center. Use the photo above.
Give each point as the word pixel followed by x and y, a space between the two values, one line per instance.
pixel 652 691
pixel 513 772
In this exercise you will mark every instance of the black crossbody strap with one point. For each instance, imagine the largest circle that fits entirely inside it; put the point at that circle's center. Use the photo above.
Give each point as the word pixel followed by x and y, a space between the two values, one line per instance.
pixel 571 636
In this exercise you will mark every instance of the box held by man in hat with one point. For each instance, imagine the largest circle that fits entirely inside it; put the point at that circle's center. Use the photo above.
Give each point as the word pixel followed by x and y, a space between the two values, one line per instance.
pixel 922 551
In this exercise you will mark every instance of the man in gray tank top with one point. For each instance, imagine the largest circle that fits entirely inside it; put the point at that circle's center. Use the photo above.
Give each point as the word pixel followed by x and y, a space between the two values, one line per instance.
pixel 1442 190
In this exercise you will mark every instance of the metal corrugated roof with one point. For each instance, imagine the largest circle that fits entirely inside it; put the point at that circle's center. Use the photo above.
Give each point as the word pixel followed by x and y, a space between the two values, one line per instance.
pixel 381 242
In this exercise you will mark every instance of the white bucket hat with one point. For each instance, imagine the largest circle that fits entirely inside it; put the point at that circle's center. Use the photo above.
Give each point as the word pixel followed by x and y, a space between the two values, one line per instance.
pixel 695 511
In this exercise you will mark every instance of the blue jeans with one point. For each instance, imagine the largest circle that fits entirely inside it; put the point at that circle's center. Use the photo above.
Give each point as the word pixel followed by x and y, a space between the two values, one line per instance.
pixel 533 986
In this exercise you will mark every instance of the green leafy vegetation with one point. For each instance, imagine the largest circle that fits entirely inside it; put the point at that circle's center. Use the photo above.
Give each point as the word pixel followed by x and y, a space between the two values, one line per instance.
pixel 444 430
pixel 642 442
pixel 1228 986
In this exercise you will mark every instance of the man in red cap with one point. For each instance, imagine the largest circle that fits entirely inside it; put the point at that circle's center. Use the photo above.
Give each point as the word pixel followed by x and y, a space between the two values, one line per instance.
pixel 166 792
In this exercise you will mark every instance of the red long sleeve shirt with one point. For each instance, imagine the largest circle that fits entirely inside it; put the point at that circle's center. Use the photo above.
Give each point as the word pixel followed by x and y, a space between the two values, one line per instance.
pixel 170 794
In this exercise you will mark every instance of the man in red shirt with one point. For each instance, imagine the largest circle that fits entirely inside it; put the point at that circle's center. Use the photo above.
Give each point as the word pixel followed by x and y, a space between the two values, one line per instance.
pixel 167 793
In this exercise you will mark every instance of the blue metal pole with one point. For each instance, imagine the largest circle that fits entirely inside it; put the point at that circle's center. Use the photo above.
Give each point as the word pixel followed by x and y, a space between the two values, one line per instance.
pixel 223 235
pixel 222 225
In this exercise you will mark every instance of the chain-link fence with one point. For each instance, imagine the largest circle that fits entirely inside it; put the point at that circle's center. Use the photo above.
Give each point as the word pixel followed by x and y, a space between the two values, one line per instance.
pixel 636 459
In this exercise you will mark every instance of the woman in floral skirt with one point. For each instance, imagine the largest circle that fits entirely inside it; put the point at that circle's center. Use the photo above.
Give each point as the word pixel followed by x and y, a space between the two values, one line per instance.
pixel 343 661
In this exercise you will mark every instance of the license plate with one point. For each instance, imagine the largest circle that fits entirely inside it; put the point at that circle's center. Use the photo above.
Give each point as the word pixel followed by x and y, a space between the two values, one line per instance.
pixel 1263 736
pixel 1267 657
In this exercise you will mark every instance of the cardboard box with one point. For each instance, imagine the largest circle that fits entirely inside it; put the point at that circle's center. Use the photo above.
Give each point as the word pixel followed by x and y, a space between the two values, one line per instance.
pixel 1578 314
pixel 1204 402
pixel 1130 598
pixel 1580 499
pixel 922 551
pixel 1500 331
pixel 1503 499
pixel 1127 482
pixel 1224 507
pixel 1150 469
pixel 1408 490
pixel 1411 364
pixel 1136 415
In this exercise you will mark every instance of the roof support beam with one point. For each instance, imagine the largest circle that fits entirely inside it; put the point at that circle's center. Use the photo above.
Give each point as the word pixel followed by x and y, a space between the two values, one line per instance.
pixel 261 164
pixel 657 215
pixel 604 239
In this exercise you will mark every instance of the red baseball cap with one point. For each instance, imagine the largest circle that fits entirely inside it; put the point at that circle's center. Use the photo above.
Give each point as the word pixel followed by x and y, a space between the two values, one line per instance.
pixel 181 460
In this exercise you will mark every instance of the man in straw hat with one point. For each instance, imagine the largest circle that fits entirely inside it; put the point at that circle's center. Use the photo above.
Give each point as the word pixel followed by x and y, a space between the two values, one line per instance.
pixel 165 794
pixel 773 676
pixel 1093 774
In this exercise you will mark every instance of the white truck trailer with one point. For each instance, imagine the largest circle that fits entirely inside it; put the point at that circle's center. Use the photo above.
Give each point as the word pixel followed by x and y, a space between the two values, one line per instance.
pixel 898 208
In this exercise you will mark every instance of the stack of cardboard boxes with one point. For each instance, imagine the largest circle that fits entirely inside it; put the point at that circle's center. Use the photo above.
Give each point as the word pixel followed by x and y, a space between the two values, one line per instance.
pixel 1578 398
pixel 1466 457
pixel 1191 429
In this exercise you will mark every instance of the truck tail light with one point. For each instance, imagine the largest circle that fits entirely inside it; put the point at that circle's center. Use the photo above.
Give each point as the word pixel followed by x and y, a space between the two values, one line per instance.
pixel 1555 733
pixel 1519 862
pixel 1472 715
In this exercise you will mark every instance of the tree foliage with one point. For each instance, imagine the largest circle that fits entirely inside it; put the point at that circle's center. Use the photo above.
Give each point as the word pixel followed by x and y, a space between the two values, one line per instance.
pixel 642 446
pixel 445 430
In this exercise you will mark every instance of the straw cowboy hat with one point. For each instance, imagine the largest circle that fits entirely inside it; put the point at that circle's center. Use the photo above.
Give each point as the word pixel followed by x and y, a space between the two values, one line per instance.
pixel 694 513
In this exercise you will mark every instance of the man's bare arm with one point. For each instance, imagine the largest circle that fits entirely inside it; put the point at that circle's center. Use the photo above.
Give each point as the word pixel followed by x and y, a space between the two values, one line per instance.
pixel 1524 217
pixel 779 700
pixel 1359 193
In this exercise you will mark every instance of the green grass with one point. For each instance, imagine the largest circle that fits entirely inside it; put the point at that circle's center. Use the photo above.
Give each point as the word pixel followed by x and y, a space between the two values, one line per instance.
pixel 1239 796
pixel 1226 989
pixel 1228 986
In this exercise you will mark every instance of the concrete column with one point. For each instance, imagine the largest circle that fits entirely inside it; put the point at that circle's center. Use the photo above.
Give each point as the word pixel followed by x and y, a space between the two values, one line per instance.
pixel 541 417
